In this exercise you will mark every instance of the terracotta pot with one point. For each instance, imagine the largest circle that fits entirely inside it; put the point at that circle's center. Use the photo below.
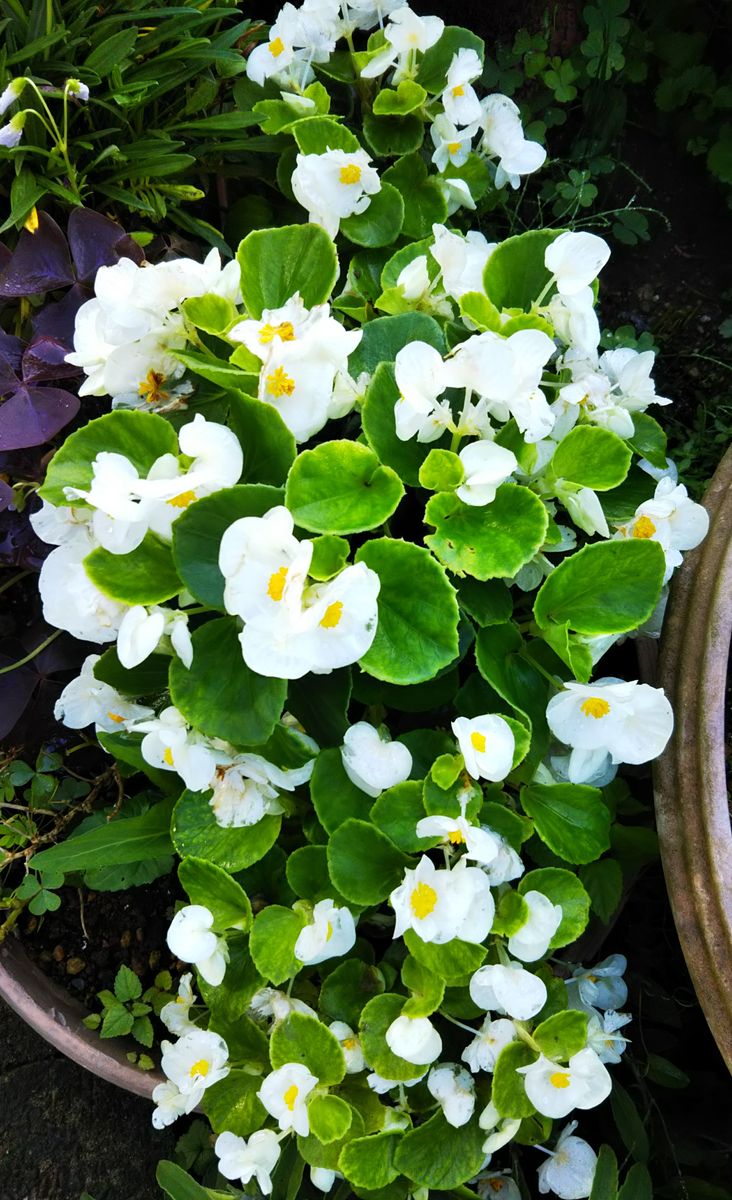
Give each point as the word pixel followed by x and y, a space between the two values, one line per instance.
pixel 692 806
pixel 57 1017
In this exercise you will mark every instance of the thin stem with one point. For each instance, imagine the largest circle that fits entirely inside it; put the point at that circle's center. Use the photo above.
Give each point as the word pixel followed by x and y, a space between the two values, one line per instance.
pixel 15 579
pixel 22 661
pixel 543 292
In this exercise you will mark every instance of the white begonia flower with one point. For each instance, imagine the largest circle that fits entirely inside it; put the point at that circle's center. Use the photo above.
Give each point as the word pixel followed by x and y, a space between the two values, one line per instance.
pixel 331 934
pixel 498 1185
pixel 556 1090
pixel 440 905
pixel 629 721
pixel 629 372
pixel 487 465
pixel 569 1171
pixel 174 1014
pixel 246 788
pixel 284 1094
pixel 195 1062
pixel 672 519
pixel 381 1086
pixel 575 260
pixel 372 761
pixel 505 866
pixel 457 194
pixel 299 377
pixel 268 1002
pixel 503 138
pixel 453 1088
pixel 334 185
pixel 279 326
pixel 365 14
pixel 71 601
pixel 191 939
pixel 350 1046
pixel 414 279
pixel 501 1130
pixel 420 377
pixel 493 1035
pixel 509 990
pixel 670 471
pixel 273 58
pixel 139 634
pixel 323 1179
pixel 170 745
pixel 506 373
pixel 487 744
pixel 255 1158
pixel 603 1036
pixel 461 260
pixel 452 145
pixel 405 34
pixel 575 320
pixel 481 845
pixel 260 558
pixel 414 1039
pixel 601 986
pixel 12 132
pixel 59 525
pixel 585 509
pixel 169 1104
pixel 86 699
pixel 118 523
pixel 11 93
pixel 459 99
pixel 531 942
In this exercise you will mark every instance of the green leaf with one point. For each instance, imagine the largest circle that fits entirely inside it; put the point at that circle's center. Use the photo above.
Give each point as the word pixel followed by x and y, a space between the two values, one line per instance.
pixel 335 799
pixel 146 575
pixel 435 62
pixel 219 694
pixel 112 52
pixel 649 440
pixel 197 834
pixel 638 1184
pixel 248 1043
pixel 424 202
pixel 491 541
pixel 140 436
pixel 427 991
pixel 320 703
pixel 127 985
pixel 377 414
pixel 347 989
pixel 608 587
pixel 561 1036
pixel 384 337
pixel 341 487
pixel 209 885
pixel 592 457
pixel 211 313
pixel 376 1018
pixel 316 135
pixel 369 1162
pixel 269 447
pixel 198 532
pixel 363 863
pixel 603 882
pixel 232 1104
pixel 390 137
pixel 488 602
pixel 605 1182
pixel 509 1093
pixel 565 889
pixel 117 1022
pixel 178 1185
pixel 380 224
pixel 405 99
pixel 276 263
pixel 304 1039
pixel 396 813
pixel 515 275
pixel 570 650
pixel 307 873
pixel 123 840
pixel 570 818
pixel 226 375
pixel 478 308
pixel 441 471
pixel 417 631
pixel 629 1121
pixel 330 554
pixel 454 961
pixel 512 913
pixel 149 677
pixel 329 1118
pixel 272 943
pixel 433 1156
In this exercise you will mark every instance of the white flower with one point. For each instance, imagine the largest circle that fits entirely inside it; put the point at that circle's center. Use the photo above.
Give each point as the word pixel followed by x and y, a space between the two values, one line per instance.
pixel 371 761
pixel 269 1002
pixel 58 525
pixel 11 93
pixel 481 844
pixel 671 519
pixel 575 260
pixel 452 145
pixel 381 1086
pixel 585 509
pixel 77 89
pixel 331 934
pixel 420 378
pixel 281 326
pixel 414 279
pixel 11 133
pixel 575 320
pixel 503 1129
pixel 405 34
pixel 453 1088
pixel 334 185
pixel 70 599
pixel 569 1171
pixel 170 1104
pixel 533 938
pixel 139 634
pixel 602 986
pixel 629 372
pixel 299 377
pixel 459 99
pixel 170 745
pixel 503 138
pixel 497 1185
pixel 629 721
pixel 509 990
pixel 487 465
pixel 507 372
pixel 462 260
pixel 603 1036
pixel 284 1094
pixel 247 1160
pixel 487 744
pixel 246 788
pixel 190 938
pixel 86 699
pixel 195 1062
pixel 174 1014
pixel 556 1090
pixel 414 1039
pixel 261 559
pixel 350 1045
pixel 493 1035
pixel 441 905
pixel 505 866
pixel 323 1179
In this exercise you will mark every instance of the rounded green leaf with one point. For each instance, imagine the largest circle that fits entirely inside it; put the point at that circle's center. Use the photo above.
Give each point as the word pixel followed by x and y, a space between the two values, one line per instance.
pixel 488 542
pixel 341 487
pixel 381 223
pixel 390 137
pixel 427 990
pixel 434 1156
pixel 424 200
pixel 649 440
pixel 307 874
pixel 376 1018
pixel 603 882
pixel 561 1036
pixel 330 554
pixel 219 695
pixel 609 587
pixel 565 889
pixel 232 1104
pixel 335 799
pixel 509 1092
pixel 571 819
pixel 272 947
pixel 407 96
pixel 417 633
pixel 276 263
pixel 379 423
pixel 316 135
pixel 347 989
pixel 364 864
pixel 396 813
pixel 304 1039
pixel 329 1118
pixel 196 833
pixel 515 275
pixel 384 337
pixel 592 457
pixel 146 679
pixel 441 471
pixel 207 884
pixel 454 961
pixel 146 575
pixel 268 446
pixel 435 62
pixel 369 1162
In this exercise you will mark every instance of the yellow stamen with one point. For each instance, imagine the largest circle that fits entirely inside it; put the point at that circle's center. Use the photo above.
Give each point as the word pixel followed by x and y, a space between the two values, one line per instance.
pixel 279 383
pixel 182 500
pixel 349 1043
pixel 202 1068
pixel 276 47
pixel 151 388
pixel 333 614
pixel 423 900
pixel 458 91
pixel 595 706
pixel 115 717
pixel 329 932
pixel 644 528
pixel 168 756
pixel 31 221
pixel 477 741
pixel 276 585
pixel 453 147
pixel 290 1096
pixel 284 331
pixel 496 1185
pixel 350 173
pixel 179 1000
pixel 560 1079
pixel 455 837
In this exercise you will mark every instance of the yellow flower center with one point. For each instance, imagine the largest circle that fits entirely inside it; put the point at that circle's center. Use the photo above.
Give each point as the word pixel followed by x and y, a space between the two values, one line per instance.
pixel 202 1068
pixel 496 1185
pixel 477 741
pixel 350 173
pixel 279 383
pixel 423 900
pixel 455 837
pixel 349 1043
pixel 333 614
pixel 284 331
pixel 183 499
pixel 290 1096
pixel 168 756
pixel 453 147
pixel 560 1079
pixel 151 387
pixel 31 222
pixel 329 932
pixel 276 585
pixel 595 706
pixel 276 47
pixel 458 91
pixel 179 1000
pixel 115 717
pixel 644 528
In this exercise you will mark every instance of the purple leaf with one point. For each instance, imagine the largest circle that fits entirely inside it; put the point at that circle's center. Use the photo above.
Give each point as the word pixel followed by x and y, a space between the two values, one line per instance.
pixel 33 415
pixel 39 263
pixel 96 241
pixel 8 379
pixel 5 256
pixel 11 350
pixel 16 689
pixel 58 319
pixel 44 360
pixel 6 495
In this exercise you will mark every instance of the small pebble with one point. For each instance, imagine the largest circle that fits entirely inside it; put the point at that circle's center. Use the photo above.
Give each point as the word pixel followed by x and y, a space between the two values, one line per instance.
pixel 75 966
pixel 126 938
pixel 59 953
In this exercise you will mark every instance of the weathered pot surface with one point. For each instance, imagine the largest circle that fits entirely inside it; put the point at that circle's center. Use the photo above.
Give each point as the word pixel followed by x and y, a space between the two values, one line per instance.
pixel 692 805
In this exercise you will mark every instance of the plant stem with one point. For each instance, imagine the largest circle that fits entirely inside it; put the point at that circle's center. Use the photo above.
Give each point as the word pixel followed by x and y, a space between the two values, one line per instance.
pixel 15 579
pixel 22 661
